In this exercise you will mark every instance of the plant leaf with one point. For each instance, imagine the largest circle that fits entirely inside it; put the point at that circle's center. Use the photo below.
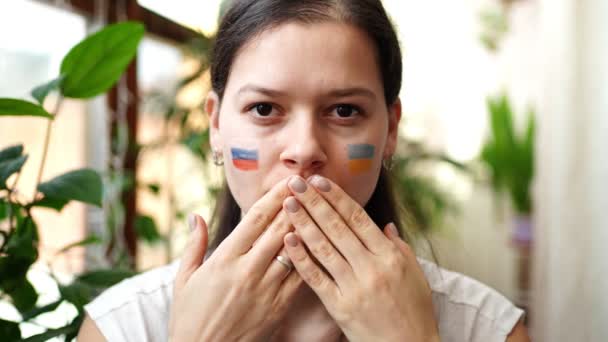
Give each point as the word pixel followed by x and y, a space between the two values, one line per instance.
pixel 3 212
pixel 21 249
pixel 26 316
pixel 8 167
pixel 11 152
pixel 89 240
pixel 97 62
pixel 16 107
pixel 10 330
pixel 105 278
pixel 75 326
pixel 24 296
pixel 49 334
pixel 146 229
pixel 80 185
pixel 41 91
pixel 69 331
pixel 154 188
pixel 77 293
pixel 49 202
pixel 198 143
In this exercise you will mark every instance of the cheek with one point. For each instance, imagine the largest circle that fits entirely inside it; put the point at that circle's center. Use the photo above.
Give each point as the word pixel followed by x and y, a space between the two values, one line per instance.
pixel 361 187
pixel 357 170
pixel 243 170
pixel 360 158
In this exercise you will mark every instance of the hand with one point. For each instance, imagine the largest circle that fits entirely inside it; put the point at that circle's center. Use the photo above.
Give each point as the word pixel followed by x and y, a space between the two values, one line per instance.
pixel 241 292
pixel 371 284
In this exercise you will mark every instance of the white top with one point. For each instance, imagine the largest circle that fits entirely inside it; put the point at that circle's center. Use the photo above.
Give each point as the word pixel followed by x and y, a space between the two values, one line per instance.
pixel 137 309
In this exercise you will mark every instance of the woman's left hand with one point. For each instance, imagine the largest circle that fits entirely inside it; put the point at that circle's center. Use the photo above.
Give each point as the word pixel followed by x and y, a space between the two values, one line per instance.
pixel 370 282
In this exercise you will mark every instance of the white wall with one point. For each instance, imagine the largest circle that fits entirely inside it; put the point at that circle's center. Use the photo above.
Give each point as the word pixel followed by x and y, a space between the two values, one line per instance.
pixel 571 267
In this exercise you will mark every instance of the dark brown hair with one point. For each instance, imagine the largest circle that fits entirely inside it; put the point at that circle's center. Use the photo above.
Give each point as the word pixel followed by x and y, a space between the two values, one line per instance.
pixel 246 19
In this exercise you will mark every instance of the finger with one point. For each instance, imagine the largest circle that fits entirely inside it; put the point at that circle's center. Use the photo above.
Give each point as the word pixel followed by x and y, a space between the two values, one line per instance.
pixel 277 271
pixel 255 221
pixel 288 289
pixel 268 245
pixel 353 214
pixel 318 244
pixel 318 281
pixel 195 251
pixel 391 232
pixel 330 222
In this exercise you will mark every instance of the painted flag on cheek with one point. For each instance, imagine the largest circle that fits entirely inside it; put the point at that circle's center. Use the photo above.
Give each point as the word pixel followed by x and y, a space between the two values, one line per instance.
pixel 244 159
pixel 360 157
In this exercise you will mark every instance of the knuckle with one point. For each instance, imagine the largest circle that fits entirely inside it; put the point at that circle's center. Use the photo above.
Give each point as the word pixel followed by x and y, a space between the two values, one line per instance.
pixel 314 278
pixel 299 257
pixel 300 218
pixel 393 260
pixel 345 310
pixel 359 217
pixel 277 310
pixel 338 228
pixel 379 282
pixel 258 217
pixel 325 251
pixel 315 200
pixel 407 250
pixel 279 226
pixel 244 276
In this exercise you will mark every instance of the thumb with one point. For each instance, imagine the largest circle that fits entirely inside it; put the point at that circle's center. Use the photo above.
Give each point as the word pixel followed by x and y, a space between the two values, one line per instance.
pixel 194 252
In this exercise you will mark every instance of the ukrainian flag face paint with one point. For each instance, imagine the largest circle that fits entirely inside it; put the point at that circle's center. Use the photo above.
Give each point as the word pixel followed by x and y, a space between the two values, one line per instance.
pixel 244 159
pixel 360 157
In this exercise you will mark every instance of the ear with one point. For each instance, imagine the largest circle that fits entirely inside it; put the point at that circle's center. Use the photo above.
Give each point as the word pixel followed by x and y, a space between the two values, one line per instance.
pixel 394 117
pixel 212 107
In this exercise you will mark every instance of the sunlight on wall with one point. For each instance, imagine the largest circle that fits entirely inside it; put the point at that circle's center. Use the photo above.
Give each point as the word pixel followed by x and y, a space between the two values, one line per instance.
pixel 196 14
pixel 38 27
pixel 446 73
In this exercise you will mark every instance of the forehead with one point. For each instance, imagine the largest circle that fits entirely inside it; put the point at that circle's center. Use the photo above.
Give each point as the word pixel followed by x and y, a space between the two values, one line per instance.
pixel 308 58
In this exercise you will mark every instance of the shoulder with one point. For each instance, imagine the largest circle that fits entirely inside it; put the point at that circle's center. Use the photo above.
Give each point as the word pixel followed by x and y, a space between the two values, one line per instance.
pixel 468 310
pixel 136 308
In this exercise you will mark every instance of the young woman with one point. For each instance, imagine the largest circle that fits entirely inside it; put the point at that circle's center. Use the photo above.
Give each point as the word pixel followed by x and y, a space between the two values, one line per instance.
pixel 303 111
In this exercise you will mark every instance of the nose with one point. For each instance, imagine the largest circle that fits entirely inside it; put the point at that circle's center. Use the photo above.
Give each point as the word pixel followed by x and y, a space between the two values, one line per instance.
pixel 303 152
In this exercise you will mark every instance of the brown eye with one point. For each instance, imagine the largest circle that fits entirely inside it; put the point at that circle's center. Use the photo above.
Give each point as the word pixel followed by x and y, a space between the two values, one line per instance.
pixel 346 111
pixel 263 109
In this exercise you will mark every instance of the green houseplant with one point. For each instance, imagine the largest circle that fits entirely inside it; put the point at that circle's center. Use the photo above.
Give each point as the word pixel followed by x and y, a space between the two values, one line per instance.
pixel 510 159
pixel 89 69
pixel 509 156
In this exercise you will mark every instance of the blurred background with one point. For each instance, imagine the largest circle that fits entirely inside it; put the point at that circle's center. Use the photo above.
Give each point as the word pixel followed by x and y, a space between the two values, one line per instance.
pixel 502 160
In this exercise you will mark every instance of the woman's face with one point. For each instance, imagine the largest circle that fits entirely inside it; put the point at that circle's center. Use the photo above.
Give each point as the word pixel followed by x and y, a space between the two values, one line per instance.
pixel 304 99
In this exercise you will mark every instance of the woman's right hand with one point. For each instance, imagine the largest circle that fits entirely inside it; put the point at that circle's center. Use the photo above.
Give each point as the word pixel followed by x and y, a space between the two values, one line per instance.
pixel 241 292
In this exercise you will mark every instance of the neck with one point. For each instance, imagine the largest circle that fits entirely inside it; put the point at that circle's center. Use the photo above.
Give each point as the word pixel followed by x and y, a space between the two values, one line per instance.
pixel 307 320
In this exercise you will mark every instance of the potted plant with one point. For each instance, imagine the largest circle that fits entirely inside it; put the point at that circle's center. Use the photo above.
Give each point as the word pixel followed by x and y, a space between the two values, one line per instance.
pixel 510 159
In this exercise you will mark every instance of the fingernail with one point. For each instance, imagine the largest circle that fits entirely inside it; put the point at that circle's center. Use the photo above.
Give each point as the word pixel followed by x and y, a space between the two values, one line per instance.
pixel 191 222
pixel 320 183
pixel 297 184
pixel 292 204
pixel 393 229
pixel 291 239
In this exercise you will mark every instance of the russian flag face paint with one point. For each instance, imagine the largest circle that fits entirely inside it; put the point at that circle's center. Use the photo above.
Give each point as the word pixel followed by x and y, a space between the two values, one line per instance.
pixel 360 157
pixel 244 159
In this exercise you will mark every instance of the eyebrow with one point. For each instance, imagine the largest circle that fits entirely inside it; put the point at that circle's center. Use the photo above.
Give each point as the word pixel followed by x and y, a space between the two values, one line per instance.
pixel 352 91
pixel 258 89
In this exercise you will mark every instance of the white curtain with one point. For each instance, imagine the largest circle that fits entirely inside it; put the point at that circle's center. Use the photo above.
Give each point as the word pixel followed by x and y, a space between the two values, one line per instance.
pixel 570 281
